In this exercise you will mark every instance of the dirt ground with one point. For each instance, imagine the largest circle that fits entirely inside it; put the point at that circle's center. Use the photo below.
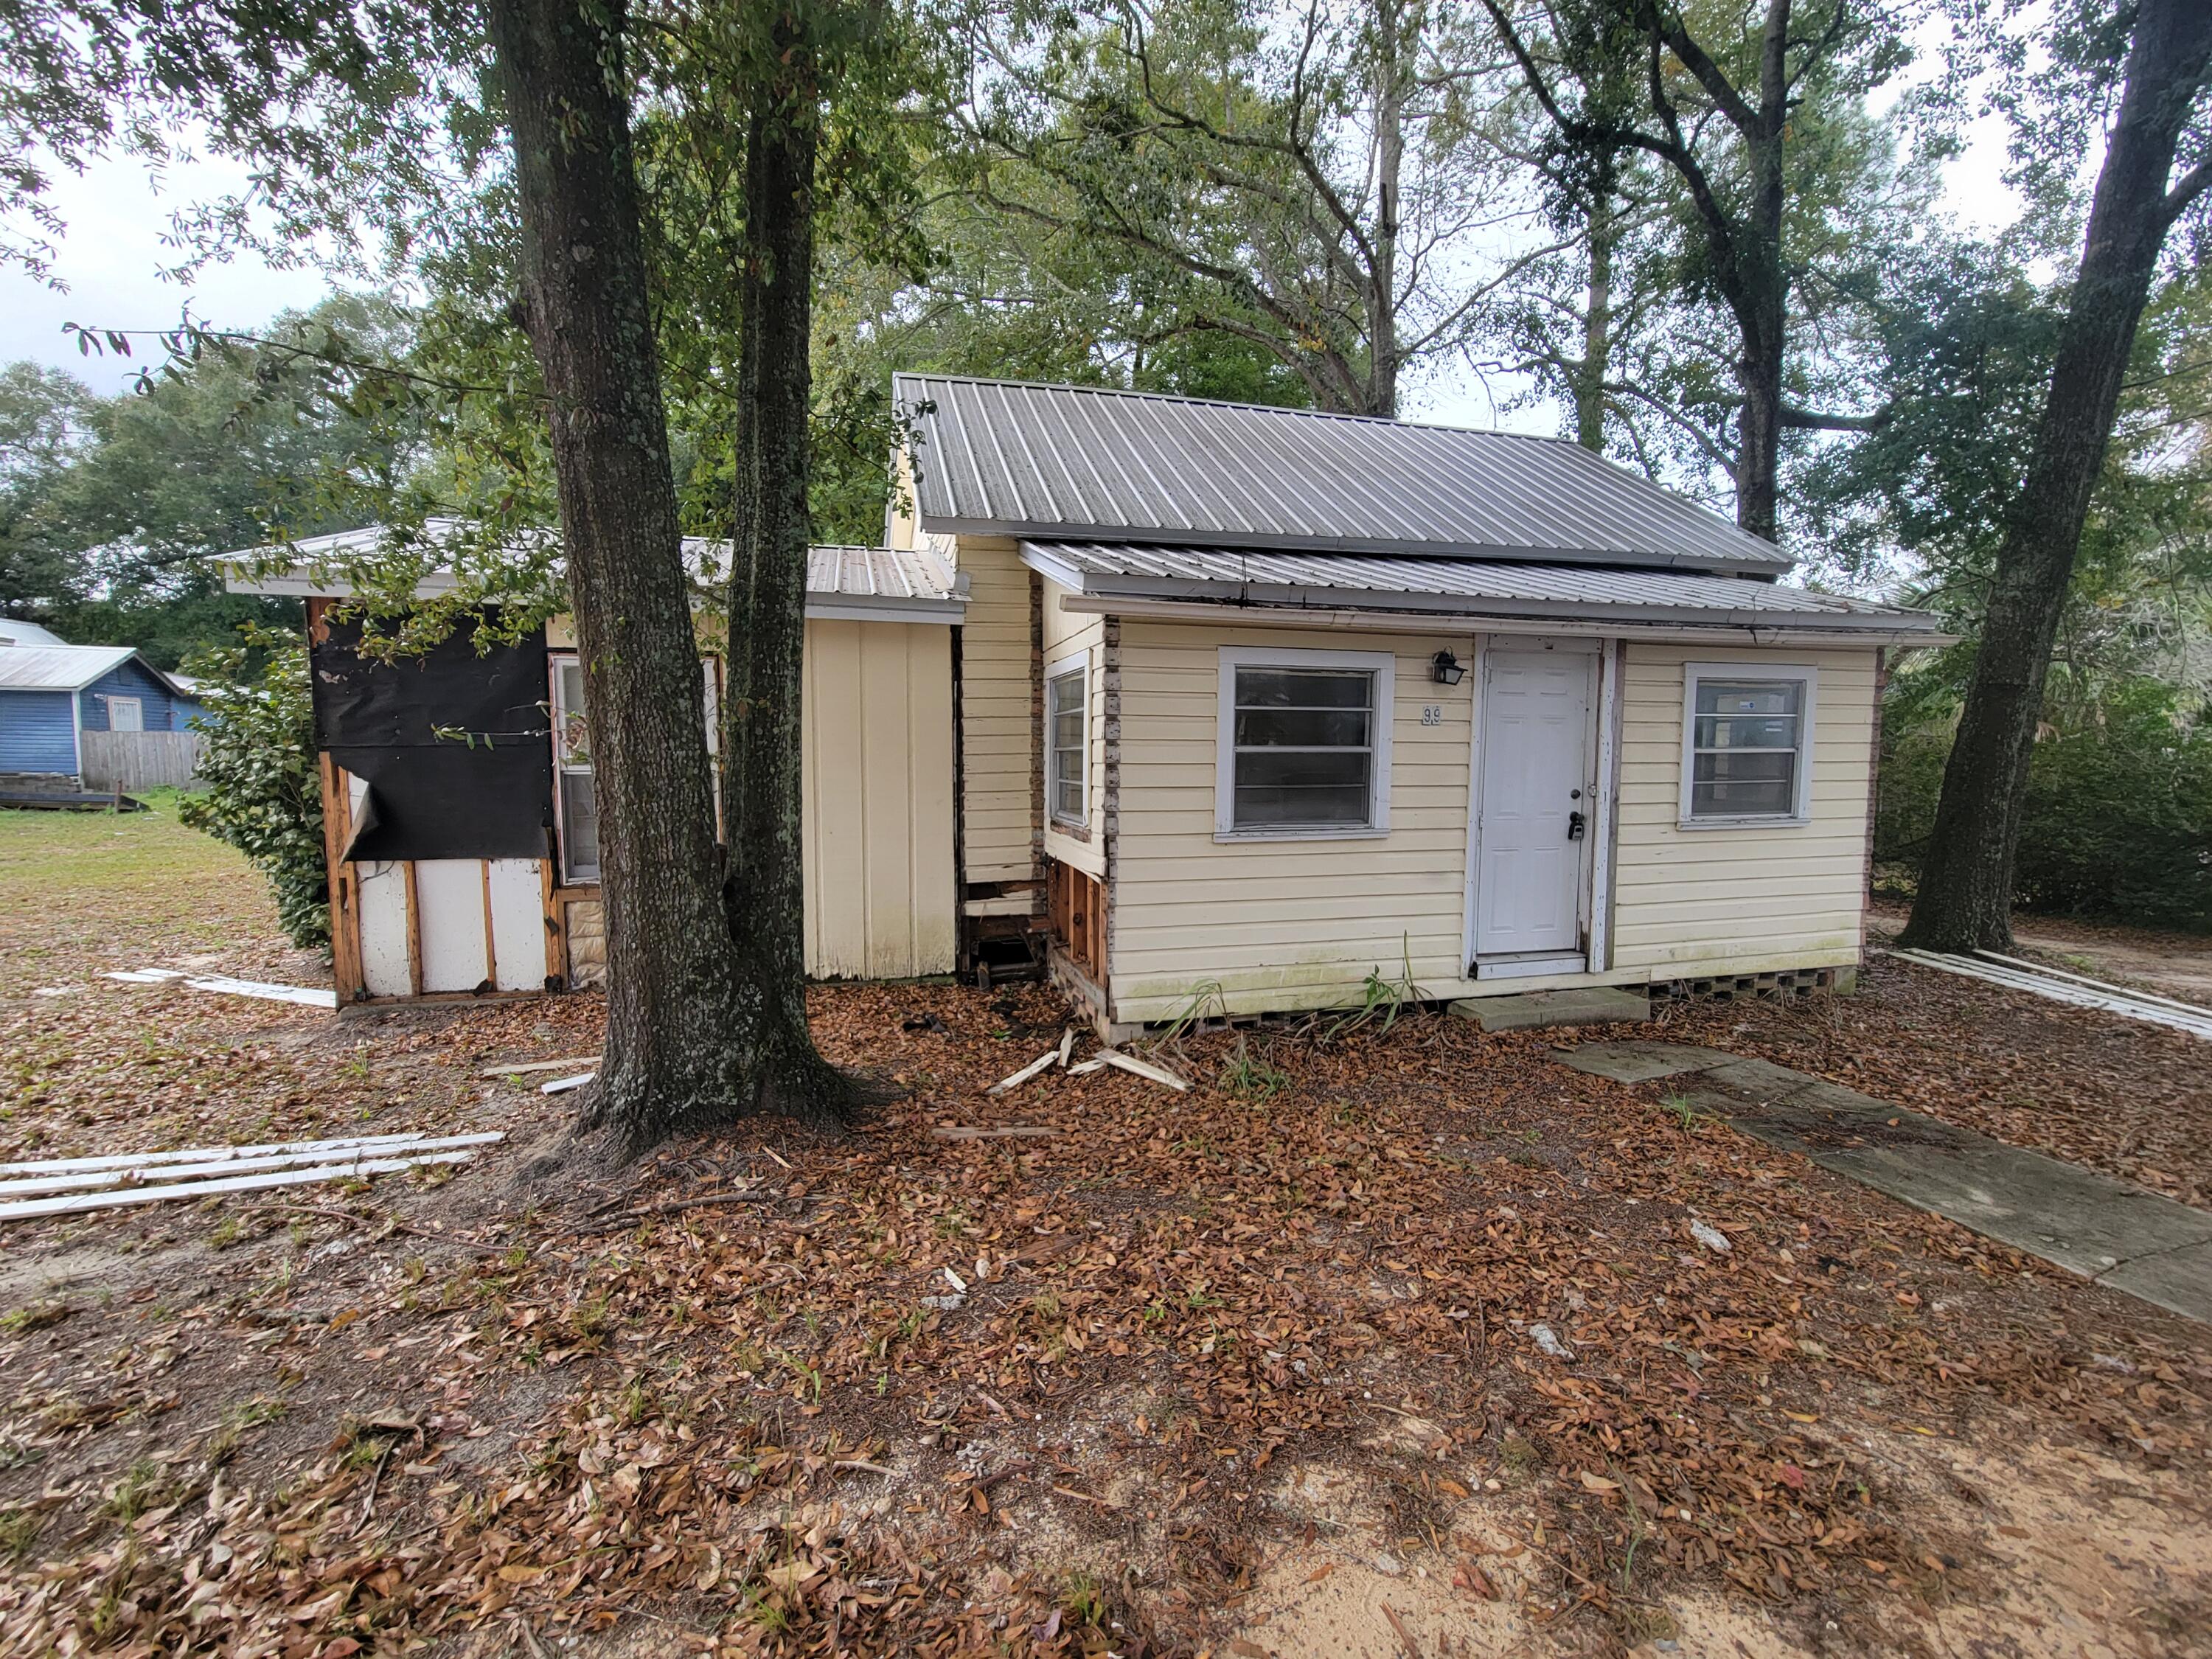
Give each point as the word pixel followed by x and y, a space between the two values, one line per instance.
pixel 1394 1339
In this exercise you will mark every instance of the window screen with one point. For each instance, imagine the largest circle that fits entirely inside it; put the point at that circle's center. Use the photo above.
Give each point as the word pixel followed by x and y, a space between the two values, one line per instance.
pixel 572 760
pixel 1065 713
pixel 1304 744
pixel 1746 748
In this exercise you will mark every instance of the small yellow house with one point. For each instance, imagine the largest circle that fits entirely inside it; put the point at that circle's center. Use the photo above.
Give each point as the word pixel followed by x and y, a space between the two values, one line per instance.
pixel 1257 703
pixel 1193 704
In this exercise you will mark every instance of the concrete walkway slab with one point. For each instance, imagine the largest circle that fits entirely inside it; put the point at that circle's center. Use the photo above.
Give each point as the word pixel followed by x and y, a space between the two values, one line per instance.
pixel 1527 1011
pixel 2105 1229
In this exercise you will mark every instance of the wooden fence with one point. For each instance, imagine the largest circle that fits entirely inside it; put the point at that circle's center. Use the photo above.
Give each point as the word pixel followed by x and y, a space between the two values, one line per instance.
pixel 140 760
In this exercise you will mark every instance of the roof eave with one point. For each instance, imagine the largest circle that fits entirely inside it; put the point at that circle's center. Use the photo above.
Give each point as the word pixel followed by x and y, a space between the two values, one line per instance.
pixel 1154 536
pixel 1255 602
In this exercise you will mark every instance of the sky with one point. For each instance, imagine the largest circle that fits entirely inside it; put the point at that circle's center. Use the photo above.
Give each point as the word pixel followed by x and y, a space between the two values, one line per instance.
pixel 110 261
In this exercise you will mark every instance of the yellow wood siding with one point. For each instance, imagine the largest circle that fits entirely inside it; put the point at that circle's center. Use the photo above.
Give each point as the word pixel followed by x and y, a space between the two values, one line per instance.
pixel 1069 635
pixel 1279 924
pixel 876 799
pixel 999 733
pixel 1694 902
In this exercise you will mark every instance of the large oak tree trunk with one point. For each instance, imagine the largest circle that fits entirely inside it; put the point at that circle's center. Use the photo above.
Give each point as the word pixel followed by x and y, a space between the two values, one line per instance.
pixel 1965 898
pixel 674 1055
pixel 768 592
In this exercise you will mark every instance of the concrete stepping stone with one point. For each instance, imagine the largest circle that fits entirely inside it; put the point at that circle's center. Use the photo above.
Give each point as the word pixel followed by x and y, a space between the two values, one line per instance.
pixel 2105 1229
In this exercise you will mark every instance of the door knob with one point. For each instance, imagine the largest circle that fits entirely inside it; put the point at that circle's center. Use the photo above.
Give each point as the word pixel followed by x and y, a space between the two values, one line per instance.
pixel 1574 826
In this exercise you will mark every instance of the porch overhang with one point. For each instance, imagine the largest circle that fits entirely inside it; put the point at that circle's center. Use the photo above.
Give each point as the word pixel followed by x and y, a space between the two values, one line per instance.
pixel 1333 591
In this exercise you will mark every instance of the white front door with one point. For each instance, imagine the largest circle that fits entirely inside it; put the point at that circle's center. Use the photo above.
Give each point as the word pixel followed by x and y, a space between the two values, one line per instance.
pixel 1535 815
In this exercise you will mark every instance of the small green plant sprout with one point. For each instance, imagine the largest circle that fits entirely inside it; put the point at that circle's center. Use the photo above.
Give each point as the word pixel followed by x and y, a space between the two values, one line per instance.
pixel 1685 1111
pixel 1382 998
pixel 1248 1077
pixel 1207 1000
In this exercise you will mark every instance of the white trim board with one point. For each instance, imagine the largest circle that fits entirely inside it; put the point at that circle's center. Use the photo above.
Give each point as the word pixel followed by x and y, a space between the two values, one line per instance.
pixel 197 1189
pixel 209 1154
pixel 89 1180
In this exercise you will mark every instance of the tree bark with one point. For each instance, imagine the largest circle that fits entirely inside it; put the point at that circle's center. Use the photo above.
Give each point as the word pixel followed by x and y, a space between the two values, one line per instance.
pixel 767 596
pixel 1590 374
pixel 1964 902
pixel 674 1056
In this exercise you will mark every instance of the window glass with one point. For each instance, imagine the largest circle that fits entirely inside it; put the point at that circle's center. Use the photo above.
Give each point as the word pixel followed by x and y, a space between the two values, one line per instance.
pixel 1065 712
pixel 573 783
pixel 126 714
pixel 1304 748
pixel 580 827
pixel 1747 745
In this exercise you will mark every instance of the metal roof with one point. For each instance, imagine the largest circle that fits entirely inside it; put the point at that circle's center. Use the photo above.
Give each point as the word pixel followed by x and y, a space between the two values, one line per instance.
pixel 13 631
pixel 1008 458
pixel 887 584
pixel 59 667
pixel 1457 588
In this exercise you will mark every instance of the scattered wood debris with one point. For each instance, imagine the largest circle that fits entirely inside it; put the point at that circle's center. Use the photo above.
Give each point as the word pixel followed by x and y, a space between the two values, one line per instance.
pixel 305 996
pixel 519 1067
pixel 1144 1069
pixel 1007 1131
pixel 64 1186
pixel 1043 1063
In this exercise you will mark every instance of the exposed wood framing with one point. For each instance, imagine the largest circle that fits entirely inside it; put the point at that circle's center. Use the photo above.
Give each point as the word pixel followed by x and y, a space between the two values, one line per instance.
pixel 1078 917
pixel 556 927
pixel 414 929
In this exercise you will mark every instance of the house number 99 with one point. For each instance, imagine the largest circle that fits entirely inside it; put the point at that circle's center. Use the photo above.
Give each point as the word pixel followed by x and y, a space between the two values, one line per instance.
pixel 1431 715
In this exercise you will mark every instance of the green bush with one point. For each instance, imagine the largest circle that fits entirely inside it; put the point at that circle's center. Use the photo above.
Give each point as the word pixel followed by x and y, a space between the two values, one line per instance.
pixel 263 795
pixel 2119 818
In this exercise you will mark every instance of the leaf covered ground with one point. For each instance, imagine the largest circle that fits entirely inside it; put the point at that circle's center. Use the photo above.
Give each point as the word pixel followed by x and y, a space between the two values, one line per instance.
pixel 1403 1341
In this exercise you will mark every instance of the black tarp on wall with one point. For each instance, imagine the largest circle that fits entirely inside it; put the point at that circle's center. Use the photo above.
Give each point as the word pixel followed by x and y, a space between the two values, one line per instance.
pixel 487 794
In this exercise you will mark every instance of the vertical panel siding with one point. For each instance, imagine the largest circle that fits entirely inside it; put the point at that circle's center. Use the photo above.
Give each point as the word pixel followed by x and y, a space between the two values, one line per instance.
pixel 129 679
pixel 36 732
pixel 998 722
pixel 1067 635
pixel 876 799
pixel 1692 902
pixel 1284 924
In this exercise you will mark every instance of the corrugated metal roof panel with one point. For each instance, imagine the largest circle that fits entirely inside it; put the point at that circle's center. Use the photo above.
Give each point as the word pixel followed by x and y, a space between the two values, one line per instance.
pixel 57 667
pixel 889 576
pixel 1010 457
pixel 1252 576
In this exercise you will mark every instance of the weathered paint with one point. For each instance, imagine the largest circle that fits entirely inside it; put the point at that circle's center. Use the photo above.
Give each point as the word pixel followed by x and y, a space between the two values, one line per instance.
pixel 1685 898
pixel 38 732
pixel 999 734
pixel 876 794
pixel 1066 636
pixel 1292 925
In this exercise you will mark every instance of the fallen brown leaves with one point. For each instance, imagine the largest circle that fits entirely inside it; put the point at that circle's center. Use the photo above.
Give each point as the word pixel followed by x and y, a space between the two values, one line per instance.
pixel 2130 1099
pixel 1049 1394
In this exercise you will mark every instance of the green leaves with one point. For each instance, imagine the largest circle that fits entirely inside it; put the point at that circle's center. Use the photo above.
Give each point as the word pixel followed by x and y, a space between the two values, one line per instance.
pixel 264 792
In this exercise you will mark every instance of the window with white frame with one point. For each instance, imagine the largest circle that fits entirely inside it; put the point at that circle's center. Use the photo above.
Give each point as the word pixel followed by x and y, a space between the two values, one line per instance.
pixel 575 796
pixel 1747 743
pixel 1066 714
pixel 575 800
pixel 126 714
pixel 1304 743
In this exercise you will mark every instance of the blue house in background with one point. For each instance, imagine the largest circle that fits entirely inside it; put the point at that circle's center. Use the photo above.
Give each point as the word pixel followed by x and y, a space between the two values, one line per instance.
pixel 52 694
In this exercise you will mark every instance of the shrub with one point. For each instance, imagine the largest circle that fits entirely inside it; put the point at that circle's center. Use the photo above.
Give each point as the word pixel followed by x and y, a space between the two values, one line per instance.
pixel 2118 817
pixel 264 794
